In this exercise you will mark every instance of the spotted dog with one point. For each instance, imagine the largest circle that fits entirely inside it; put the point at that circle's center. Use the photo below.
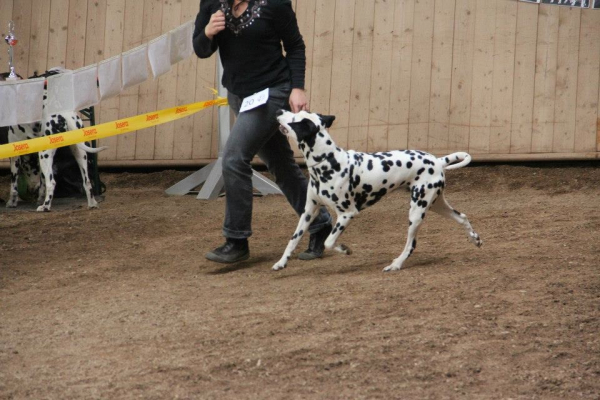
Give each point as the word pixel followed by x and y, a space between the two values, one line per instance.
pixel 45 183
pixel 350 181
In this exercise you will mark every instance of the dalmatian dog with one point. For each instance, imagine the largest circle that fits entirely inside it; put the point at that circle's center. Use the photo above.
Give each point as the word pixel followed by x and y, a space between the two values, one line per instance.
pixel 350 181
pixel 45 183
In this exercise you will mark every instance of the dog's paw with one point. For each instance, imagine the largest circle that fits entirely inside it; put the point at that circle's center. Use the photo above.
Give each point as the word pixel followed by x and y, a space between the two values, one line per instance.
pixel 391 268
pixel 342 248
pixel 279 266
pixel 475 239
pixel 93 207
pixel 43 209
pixel 11 204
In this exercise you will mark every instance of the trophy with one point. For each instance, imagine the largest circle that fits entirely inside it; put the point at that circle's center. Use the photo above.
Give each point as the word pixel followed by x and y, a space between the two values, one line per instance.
pixel 12 41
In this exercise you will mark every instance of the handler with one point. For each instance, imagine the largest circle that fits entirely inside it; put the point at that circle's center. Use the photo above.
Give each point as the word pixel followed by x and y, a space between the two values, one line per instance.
pixel 249 35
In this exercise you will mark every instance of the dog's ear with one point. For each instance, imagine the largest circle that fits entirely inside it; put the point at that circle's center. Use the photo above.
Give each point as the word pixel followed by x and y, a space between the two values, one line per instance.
pixel 304 129
pixel 327 120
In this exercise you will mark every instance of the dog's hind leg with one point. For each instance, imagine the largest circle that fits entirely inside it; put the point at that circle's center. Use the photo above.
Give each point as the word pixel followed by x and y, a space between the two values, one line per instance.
pixel 46 161
pixel 81 158
pixel 444 209
pixel 311 210
pixel 15 163
pixel 421 201
pixel 342 223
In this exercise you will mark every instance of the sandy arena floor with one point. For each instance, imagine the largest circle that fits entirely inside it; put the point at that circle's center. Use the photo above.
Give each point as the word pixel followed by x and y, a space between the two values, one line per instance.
pixel 119 303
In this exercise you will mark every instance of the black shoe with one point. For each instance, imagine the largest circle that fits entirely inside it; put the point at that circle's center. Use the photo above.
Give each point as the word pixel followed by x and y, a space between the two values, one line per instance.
pixel 232 251
pixel 316 245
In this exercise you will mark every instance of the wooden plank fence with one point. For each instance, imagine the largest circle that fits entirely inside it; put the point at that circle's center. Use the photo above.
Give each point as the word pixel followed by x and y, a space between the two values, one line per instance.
pixel 502 79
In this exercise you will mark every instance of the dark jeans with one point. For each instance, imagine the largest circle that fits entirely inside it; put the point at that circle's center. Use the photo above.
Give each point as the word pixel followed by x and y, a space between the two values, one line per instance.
pixel 256 132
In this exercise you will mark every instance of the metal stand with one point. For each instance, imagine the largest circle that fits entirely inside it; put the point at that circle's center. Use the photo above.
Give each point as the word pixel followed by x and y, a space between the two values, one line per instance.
pixel 212 174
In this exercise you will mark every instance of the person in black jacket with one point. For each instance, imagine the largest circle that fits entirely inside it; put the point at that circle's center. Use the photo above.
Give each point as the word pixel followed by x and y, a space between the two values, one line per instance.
pixel 249 35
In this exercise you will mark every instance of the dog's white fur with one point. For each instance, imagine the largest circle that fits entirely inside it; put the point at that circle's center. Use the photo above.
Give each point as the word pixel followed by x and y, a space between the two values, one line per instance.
pixel 45 183
pixel 349 181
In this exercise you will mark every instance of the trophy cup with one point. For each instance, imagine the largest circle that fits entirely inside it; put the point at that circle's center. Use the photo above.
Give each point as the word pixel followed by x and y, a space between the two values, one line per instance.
pixel 11 40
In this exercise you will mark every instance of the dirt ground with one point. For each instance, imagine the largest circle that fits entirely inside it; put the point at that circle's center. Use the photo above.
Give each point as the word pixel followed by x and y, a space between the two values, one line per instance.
pixel 119 303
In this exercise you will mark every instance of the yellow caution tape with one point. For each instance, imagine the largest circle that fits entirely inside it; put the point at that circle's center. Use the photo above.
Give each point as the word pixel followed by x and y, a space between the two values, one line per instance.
pixel 107 129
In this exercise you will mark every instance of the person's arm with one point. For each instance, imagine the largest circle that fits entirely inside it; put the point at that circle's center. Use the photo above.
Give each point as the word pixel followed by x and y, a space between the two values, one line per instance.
pixel 208 25
pixel 295 49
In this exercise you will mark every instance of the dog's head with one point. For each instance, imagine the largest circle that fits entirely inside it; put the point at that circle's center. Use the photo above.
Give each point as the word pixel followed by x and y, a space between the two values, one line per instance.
pixel 303 125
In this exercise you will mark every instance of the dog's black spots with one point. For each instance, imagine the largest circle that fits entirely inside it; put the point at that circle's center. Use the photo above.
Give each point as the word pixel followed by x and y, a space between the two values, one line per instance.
pixel 414 244
pixel 307 218
pixel 419 172
pixel 47 132
pixel 48 124
pixel 423 216
pixel 384 182
pixel 430 186
pixel 377 196
pixel 334 198
pixel 79 125
pixel 386 165
pixel 325 193
pixel 392 186
pixel 300 233
pixel 409 223
pixel 295 236
pixel 46 156
pixel 370 165
pixel 345 204
pixel 422 203
pixel 51 177
pixel 21 128
pixel 85 157
pixel 329 143
pixel 417 178
pixel 47 202
pixel 412 158
pixel 409 165
pixel 321 134
pixel 398 163
pixel 431 171
pixel 314 202
pixel 456 212
pixel 427 161
pixel 439 191
pixel 367 188
pixel 50 197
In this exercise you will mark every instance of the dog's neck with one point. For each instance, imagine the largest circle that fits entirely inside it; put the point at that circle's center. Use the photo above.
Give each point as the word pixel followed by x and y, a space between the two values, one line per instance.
pixel 318 149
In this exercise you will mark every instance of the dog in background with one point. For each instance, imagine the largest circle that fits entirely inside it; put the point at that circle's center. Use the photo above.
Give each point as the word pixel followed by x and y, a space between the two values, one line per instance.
pixel 45 183
pixel 350 181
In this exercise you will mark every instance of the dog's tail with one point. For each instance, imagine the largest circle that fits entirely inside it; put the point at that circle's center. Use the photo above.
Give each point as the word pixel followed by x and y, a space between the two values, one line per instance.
pixel 454 157
pixel 89 149
pixel 72 127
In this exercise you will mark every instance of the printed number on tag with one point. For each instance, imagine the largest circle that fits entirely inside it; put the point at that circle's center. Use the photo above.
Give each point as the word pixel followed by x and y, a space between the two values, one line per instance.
pixel 256 100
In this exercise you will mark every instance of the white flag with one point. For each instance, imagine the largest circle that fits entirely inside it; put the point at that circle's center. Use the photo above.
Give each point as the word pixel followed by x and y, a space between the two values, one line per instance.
pixel 85 80
pixel 8 104
pixel 182 46
pixel 30 97
pixel 60 93
pixel 109 77
pixel 159 54
pixel 135 66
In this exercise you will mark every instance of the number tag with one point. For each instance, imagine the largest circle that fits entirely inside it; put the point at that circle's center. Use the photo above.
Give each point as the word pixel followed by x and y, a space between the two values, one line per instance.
pixel 256 100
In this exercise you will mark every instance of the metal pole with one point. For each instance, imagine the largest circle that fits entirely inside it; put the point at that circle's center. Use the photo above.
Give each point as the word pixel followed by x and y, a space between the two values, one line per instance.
pixel 212 174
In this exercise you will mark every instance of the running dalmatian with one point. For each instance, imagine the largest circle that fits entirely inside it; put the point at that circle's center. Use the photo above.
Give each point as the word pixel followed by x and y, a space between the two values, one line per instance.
pixel 45 183
pixel 350 181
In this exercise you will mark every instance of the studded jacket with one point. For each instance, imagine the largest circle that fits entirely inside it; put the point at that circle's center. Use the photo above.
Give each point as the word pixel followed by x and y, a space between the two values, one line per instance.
pixel 251 48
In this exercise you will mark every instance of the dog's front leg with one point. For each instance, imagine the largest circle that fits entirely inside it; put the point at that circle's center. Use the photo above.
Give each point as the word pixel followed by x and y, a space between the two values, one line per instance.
pixel 341 224
pixel 311 210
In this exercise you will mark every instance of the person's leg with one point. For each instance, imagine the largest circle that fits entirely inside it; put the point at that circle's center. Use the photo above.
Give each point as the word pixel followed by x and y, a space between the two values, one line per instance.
pixel 279 158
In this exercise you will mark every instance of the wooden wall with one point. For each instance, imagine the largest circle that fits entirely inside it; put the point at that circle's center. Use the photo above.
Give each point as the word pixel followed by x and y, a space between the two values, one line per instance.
pixel 502 79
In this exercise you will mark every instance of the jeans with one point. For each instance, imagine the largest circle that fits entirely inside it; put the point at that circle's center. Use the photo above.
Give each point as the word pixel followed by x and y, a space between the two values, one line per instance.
pixel 256 132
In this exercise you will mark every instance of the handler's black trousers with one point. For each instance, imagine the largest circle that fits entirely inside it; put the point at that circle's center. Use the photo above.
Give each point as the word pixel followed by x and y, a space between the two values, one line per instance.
pixel 256 132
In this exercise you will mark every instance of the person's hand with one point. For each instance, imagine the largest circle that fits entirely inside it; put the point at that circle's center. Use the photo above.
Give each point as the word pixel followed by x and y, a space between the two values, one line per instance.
pixel 298 100
pixel 215 25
